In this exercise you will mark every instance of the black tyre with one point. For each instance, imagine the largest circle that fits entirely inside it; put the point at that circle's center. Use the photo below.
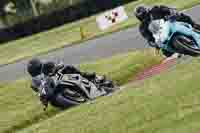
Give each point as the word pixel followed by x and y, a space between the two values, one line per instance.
pixel 67 98
pixel 196 28
pixel 185 45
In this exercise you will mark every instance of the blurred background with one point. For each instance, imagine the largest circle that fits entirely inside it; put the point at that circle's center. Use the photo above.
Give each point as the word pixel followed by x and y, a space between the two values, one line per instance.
pixel 20 18
pixel 13 12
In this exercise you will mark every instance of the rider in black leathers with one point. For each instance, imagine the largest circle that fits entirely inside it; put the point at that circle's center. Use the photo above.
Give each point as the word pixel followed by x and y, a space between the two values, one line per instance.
pixel 39 70
pixel 146 15
pixel 36 68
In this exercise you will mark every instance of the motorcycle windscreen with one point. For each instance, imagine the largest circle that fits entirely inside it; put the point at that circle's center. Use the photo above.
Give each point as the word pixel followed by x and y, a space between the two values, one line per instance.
pixel 160 30
pixel 74 77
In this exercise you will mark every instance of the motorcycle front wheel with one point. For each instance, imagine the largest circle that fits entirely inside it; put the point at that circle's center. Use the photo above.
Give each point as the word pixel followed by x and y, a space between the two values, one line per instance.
pixel 67 98
pixel 196 28
pixel 185 45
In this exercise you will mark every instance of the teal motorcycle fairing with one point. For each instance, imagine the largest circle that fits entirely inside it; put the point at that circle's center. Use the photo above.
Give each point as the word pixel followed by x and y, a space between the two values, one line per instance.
pixel 164 31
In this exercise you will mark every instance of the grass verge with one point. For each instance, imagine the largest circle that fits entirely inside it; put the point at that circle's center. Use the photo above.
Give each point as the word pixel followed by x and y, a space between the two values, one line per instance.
pixel 19 108
pixel 69 34
pixel 163 104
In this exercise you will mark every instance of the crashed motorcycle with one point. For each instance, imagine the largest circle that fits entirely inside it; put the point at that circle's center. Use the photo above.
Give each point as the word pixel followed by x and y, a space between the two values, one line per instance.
pixel 176 37
pixel 66 90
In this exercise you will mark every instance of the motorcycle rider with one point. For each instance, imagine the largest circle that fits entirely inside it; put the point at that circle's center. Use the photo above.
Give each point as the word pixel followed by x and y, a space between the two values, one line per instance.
pixel 39 70
pixel 145 15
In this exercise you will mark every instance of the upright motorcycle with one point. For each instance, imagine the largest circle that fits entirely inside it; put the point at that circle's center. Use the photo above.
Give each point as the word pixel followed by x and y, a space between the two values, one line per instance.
pixel 176 37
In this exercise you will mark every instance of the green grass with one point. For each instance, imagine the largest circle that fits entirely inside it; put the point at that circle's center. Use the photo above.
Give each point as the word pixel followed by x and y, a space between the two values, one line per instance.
pixel 19 107
pixel 168 103
pixel 69 34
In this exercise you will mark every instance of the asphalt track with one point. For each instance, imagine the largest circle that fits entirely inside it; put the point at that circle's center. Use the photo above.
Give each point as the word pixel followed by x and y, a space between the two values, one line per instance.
pixel 119 42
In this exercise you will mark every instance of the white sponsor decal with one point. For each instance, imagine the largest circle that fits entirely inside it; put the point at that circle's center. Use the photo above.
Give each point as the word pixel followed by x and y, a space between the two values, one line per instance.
pixel 111 18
